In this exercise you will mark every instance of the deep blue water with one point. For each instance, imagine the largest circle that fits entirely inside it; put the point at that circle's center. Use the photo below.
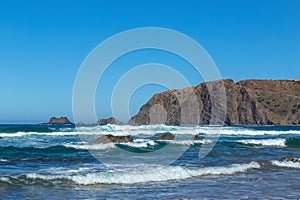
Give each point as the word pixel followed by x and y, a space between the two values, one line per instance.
pixel 55 162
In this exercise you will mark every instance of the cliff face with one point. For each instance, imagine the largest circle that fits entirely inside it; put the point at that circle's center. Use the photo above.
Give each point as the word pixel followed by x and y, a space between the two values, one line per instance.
pixel 249 102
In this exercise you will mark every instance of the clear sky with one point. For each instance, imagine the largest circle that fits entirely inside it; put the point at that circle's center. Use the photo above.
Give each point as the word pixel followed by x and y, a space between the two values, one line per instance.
pixel 43 43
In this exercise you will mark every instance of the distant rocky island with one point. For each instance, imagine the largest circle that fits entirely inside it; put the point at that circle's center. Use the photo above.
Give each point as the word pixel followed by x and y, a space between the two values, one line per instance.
pixel 248 102
pixel 66 121
pixel 105 121
pixel 110 120
pixel 58 121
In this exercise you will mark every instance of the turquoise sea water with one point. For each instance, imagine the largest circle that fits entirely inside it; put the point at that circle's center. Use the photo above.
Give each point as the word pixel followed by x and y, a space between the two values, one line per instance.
pixel 55 162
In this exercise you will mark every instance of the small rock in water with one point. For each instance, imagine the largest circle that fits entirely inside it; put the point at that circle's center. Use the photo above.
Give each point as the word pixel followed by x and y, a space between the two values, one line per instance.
pixel 289 158
pixel 165 136
pixel 111 138
pixel 196 137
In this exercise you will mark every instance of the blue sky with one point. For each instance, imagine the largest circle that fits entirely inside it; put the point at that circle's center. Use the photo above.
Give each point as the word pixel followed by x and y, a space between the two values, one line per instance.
pixel 43 44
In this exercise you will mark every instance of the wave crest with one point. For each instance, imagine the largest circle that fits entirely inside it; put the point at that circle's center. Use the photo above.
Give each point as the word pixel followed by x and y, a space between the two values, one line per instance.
pixel 144 175
pixel 288 164
pixel 264 142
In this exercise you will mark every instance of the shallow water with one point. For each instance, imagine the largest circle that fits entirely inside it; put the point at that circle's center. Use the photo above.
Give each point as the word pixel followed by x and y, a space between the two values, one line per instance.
pixel 52 162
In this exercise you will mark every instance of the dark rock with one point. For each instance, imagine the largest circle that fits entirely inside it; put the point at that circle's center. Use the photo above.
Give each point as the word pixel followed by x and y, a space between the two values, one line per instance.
pixel 165 136
pixel 59 121
pixel 249 102
pixel 289 158
pixel 115 139
pixel 110 120
pixel 196 137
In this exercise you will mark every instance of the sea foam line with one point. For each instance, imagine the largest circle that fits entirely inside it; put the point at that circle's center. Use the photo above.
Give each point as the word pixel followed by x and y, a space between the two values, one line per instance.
pixel 91 146
pixel 138 143
pixel 158 174
pixel 265 142
pixel 121 130
pixel 289 164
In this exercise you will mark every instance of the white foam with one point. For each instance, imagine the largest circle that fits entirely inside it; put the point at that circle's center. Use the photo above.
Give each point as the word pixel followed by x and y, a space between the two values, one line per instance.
pixel 140 143
pixel 248 132
pixel 286 164
pixel 44 177
pixel 141 130
pixel 232 169
pixel 265 142
pixel 121 130
pixel 5 179
pixel 21 134
pixel 3 160
pixel 91 146
pixel 81 169
pixel 189 142
pixel 157 174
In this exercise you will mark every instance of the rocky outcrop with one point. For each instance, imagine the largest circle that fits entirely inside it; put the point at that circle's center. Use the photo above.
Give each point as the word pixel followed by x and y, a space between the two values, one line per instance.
pixel 59 121
pixel 110 120
pixel 196 137
pixel 164 136
pixel 289 159
pixel 249 102
pixel 111 138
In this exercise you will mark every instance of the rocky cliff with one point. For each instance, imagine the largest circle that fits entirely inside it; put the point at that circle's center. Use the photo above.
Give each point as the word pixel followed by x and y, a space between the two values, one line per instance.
pixel 249 102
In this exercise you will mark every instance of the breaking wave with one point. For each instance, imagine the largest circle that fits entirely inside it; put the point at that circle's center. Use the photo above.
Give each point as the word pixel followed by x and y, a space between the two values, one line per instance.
pixel 145 175
pixel 143 130
pixel 289 164
pixel 264 142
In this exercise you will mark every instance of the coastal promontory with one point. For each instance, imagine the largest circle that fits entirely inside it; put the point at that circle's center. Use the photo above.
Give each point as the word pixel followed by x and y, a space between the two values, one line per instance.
pixel 247 102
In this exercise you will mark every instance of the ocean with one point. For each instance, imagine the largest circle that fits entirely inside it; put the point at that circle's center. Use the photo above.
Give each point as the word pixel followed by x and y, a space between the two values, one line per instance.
pixel 233 162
